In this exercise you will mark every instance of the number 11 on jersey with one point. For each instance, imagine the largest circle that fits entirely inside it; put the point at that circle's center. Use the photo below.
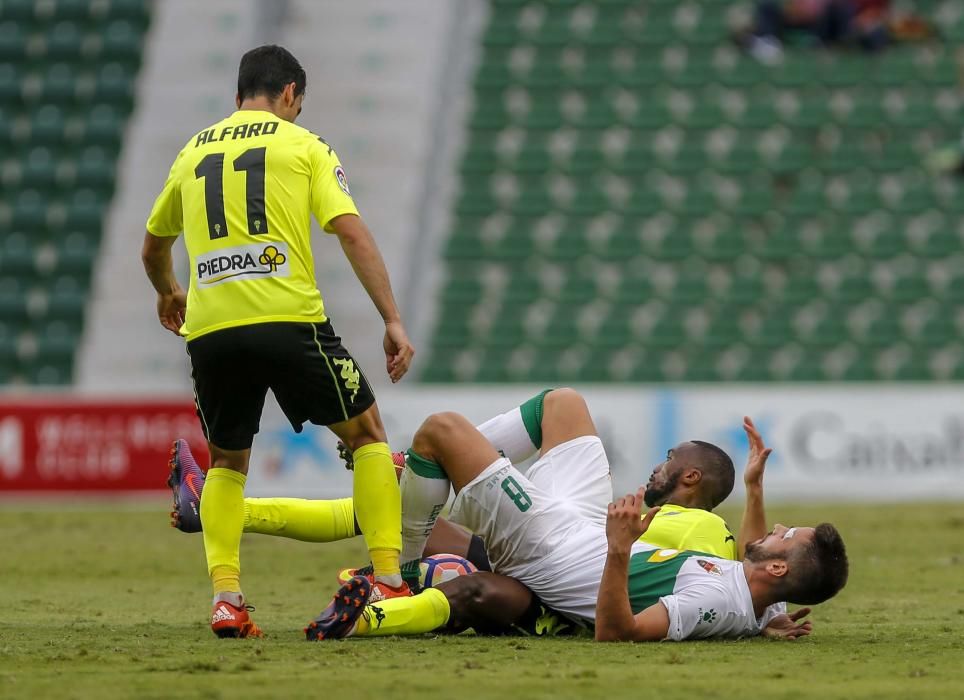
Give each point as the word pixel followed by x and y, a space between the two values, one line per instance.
pixel 211 168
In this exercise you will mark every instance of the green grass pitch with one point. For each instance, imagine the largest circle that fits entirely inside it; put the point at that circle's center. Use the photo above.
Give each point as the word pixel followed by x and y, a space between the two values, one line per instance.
pixel 106 602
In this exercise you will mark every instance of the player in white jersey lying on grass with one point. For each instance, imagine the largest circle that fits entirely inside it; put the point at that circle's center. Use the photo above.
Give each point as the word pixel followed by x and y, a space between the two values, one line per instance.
pixel 694 479
pixel 556 532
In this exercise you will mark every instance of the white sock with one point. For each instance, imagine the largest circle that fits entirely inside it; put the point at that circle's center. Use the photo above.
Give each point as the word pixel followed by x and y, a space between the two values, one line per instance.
pixel 517 434
pixel 425 489
pixel 235 598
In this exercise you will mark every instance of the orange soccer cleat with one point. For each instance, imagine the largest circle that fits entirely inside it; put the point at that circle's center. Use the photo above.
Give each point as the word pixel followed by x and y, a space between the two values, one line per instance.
pixel 231 621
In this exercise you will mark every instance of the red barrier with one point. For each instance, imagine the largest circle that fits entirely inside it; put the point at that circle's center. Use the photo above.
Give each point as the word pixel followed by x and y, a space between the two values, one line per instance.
pixel 74 444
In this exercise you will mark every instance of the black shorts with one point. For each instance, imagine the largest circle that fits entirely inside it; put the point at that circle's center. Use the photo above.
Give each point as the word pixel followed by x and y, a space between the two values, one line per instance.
pixel 304 364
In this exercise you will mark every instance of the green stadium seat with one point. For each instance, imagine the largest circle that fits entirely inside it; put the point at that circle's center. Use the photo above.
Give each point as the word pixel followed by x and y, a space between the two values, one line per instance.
pixel 29 211
pixel 756 368
pixel 49 371
pixel 73 10
pixel 745 289
pixel 122 43
pixel 59 85
pixel 937 330
pixel 676 245
pixel 725 246
pixel 797 184
pixel 76 253
pixel 810 368
pixel 614 331
pixel 861 370
pixel 9 335
pixel 830 330
pixel 103 127
pixel 114 86
pixel 523 287
pixel 913 369
pixel 95 171
pixel 13 41
pixel 48 126
pixel 85 211
pixel 690 287
pixel 667 332
pixel 22 11
pixel 13 299
pixel 63 42
pixel 774 329
pixel 39 170
pixel 854 288
pixel 17 255
pixel 10 85
pixel 954 291
pixel 66 300
pixel 938 243
pixel 724 329
pixel 909 287
pixel 883 331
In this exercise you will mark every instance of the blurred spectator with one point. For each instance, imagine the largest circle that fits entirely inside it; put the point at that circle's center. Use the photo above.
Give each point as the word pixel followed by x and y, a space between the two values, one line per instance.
pixel 831 22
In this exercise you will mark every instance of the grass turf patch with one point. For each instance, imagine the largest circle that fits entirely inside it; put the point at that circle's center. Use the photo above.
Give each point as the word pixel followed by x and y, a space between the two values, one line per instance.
pixel 113 603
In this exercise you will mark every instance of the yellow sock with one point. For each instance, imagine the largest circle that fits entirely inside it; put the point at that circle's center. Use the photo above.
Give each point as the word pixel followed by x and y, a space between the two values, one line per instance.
pixel 415 614
pixel 222 519
pixel 378 507
pixel 300 519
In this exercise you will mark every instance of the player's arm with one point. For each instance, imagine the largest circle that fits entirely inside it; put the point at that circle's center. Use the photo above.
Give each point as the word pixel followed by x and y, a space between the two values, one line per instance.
pixel 334 208
pixel 163 227
pixel 366 260
pixel 159 266
pixel 754 525
pixel 615 621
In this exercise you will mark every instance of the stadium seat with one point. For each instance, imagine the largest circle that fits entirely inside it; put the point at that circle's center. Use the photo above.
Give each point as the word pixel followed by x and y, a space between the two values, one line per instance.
pixel 773 214
pixel 66 75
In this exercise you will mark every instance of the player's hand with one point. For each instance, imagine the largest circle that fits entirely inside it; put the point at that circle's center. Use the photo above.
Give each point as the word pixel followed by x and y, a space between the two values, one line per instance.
pixel 398 350
pixel 756 460
pixel 170 310
pixel 624 524
pixel 788 626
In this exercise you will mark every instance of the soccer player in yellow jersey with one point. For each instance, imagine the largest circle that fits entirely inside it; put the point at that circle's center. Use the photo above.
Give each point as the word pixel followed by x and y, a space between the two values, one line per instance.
pixel 243 191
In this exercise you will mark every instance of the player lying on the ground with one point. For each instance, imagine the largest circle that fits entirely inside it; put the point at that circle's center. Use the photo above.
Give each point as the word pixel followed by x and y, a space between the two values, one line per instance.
pixel 695 476
pixel 694 479
pixel 556 532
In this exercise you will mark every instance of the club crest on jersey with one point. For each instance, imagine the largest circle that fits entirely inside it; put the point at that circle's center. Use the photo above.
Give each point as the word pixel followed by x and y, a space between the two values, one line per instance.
pixel 342 179
pixel 253 261
pixel 710 567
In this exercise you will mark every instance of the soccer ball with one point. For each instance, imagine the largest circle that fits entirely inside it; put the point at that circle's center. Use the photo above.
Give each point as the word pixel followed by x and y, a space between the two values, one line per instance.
pixel 439 568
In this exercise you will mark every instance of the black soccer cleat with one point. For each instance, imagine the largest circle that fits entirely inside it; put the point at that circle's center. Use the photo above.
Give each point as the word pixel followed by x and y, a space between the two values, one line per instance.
pixel 339 618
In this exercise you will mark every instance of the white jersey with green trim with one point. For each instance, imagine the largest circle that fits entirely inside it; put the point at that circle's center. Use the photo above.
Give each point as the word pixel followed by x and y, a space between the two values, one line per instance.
pixel 705 596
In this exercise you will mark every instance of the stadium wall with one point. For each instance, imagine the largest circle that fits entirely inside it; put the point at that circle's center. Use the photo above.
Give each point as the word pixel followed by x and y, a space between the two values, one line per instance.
pixel 837 442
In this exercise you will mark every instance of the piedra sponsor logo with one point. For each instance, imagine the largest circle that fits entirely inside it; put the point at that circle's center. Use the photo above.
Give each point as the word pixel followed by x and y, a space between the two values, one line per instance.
pixel 242 262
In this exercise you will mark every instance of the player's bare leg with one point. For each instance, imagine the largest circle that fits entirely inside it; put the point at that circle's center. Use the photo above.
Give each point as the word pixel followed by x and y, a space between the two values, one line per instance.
pixel 486 602
pixel 565 417
pixel 222 519
pixel 452 442
pixel 377 499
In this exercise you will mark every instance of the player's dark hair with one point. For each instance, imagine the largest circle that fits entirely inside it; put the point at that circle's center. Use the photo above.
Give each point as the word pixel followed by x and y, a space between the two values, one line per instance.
pixel 266 70
pixel 820 570
pixel 718 472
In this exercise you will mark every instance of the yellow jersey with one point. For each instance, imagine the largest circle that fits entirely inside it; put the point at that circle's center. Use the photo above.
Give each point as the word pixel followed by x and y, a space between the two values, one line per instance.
pixel 676 527
pixel 243 192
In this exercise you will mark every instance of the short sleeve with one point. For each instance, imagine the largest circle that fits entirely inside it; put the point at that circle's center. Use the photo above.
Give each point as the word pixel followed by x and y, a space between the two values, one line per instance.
pixel 330 195
pixel 167 215
pixel 695 612
pixel 771 612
